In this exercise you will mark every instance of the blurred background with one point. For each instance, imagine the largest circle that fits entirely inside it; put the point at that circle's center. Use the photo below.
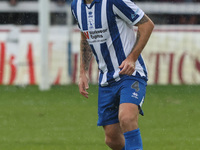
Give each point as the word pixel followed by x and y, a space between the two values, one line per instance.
pixel 161 11
pixel 39 47
pixel 172 54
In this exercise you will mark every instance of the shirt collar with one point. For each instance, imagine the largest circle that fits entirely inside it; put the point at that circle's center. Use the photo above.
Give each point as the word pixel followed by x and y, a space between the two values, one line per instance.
pixel 94 1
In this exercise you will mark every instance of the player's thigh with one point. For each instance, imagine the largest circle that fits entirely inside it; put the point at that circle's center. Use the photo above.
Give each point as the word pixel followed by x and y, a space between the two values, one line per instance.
pixel 108 106
pixel 133 91
pixel 128 110
pixel 128 116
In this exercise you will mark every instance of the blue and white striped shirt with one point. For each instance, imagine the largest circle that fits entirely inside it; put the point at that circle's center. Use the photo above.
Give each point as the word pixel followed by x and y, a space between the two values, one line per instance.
pixel 108 27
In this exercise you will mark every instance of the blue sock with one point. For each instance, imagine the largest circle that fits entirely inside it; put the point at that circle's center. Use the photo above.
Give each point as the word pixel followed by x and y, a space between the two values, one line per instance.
pixel 123 148
pixel 133 140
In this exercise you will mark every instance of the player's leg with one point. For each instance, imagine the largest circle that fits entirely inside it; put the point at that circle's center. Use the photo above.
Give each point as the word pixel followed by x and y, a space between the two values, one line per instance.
pixel 131 99
pixel 128 117
pixel 108 109
pixel 114 137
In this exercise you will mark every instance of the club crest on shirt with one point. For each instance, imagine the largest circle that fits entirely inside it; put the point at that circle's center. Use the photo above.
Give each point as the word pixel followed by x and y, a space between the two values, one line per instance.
pixel 90 14
pixel 90 20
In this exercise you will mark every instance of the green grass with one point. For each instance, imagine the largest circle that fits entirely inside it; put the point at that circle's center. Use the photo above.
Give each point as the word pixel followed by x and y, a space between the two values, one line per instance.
pixel 61 119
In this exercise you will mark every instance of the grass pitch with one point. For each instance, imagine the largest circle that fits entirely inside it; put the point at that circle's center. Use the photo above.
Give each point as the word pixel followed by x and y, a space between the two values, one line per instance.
pixel 61 119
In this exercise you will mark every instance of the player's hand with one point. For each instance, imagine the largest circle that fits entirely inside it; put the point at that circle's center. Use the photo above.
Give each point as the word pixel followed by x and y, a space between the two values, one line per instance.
pixel 127 66
pixel 83 85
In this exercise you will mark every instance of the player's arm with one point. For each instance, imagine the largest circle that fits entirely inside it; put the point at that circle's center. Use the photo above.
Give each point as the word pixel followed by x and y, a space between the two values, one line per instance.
pixel 85 57
pixel 145 28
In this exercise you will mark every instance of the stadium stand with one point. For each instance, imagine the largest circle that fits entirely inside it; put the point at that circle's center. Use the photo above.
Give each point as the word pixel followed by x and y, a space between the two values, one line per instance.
pixel 23 12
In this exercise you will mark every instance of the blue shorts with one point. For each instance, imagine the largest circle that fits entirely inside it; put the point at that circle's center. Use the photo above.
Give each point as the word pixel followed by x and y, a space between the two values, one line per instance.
pixel 128 90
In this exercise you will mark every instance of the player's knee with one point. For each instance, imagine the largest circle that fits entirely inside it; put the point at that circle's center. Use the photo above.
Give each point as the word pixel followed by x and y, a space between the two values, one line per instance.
pixel 128 122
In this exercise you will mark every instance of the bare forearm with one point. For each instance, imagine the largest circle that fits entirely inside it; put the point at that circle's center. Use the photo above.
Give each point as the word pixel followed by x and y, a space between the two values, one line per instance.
pixel 145 27
pixel 85 55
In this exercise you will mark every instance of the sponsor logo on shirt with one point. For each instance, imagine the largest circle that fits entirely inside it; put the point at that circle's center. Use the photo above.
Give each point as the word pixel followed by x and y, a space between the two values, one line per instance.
pixel 96 36
pixel 87 35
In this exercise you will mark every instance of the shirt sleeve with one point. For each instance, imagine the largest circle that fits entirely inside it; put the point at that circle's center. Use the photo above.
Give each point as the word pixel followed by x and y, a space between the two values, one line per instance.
pixel 74 14
pixel 128 11
pixel 76 20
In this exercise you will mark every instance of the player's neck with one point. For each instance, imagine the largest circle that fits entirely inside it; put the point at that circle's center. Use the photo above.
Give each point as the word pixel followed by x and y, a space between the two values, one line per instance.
pixel 88 1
